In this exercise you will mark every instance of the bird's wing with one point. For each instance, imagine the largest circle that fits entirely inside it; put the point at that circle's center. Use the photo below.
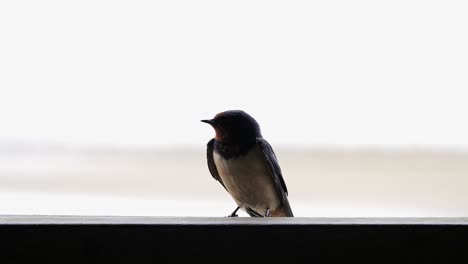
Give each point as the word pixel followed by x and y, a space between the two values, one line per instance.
pixel 211 163
pixel 275 171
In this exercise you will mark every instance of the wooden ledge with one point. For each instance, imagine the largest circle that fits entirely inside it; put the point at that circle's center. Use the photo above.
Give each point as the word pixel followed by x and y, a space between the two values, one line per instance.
pixel 213 221
pixel 108 239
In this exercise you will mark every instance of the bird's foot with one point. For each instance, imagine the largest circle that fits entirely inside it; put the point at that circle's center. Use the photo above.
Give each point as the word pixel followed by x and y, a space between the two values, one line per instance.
pixel 252 212
pixel 267 213
pixel 233 214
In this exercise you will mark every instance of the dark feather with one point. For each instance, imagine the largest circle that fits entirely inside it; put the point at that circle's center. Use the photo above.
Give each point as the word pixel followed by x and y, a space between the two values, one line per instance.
pixel 275 172
pixel 252 212
pixel 230 151
pixel 211 163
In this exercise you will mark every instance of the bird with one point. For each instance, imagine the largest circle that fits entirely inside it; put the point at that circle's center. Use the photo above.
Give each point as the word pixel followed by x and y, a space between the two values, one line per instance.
pixel 244 163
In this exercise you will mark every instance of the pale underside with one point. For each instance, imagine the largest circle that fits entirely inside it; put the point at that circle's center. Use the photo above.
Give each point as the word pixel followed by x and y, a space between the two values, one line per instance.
pixel 248 181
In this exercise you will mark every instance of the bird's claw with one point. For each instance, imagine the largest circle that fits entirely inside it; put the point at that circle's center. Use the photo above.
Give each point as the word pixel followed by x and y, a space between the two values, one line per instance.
pixel 233 214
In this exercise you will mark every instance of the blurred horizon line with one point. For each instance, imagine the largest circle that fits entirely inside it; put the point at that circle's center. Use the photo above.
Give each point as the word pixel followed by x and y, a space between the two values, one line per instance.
pixel 50 145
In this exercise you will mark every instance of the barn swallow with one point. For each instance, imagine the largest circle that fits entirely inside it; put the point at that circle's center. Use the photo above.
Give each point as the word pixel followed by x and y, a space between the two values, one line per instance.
pixel 244 163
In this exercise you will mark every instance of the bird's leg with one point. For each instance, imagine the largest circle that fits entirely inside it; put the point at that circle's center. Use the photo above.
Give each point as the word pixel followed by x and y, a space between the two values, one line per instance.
pixel 267 213
pixel 233 214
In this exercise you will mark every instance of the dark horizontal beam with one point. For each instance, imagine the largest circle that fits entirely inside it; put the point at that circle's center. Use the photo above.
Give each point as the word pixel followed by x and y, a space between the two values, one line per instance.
pixel 90 239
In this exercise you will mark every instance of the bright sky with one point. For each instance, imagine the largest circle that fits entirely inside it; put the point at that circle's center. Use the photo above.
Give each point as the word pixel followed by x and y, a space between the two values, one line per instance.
pixel 348 73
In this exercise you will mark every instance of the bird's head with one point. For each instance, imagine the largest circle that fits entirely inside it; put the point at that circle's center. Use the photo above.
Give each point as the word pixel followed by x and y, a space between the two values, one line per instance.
pixel 234 126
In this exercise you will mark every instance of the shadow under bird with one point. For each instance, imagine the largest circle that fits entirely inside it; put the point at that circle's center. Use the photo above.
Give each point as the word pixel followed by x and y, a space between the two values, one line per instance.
pixel 246 166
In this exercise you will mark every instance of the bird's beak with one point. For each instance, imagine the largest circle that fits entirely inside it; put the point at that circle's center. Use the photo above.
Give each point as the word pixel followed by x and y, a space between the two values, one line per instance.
pixel 208 121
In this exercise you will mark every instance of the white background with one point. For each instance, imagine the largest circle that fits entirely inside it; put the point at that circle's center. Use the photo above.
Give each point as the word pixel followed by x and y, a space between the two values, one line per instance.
pixel 372 76
pixel 349 73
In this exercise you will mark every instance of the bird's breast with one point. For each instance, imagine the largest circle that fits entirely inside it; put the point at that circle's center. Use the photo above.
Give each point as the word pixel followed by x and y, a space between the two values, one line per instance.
pixel 248 180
